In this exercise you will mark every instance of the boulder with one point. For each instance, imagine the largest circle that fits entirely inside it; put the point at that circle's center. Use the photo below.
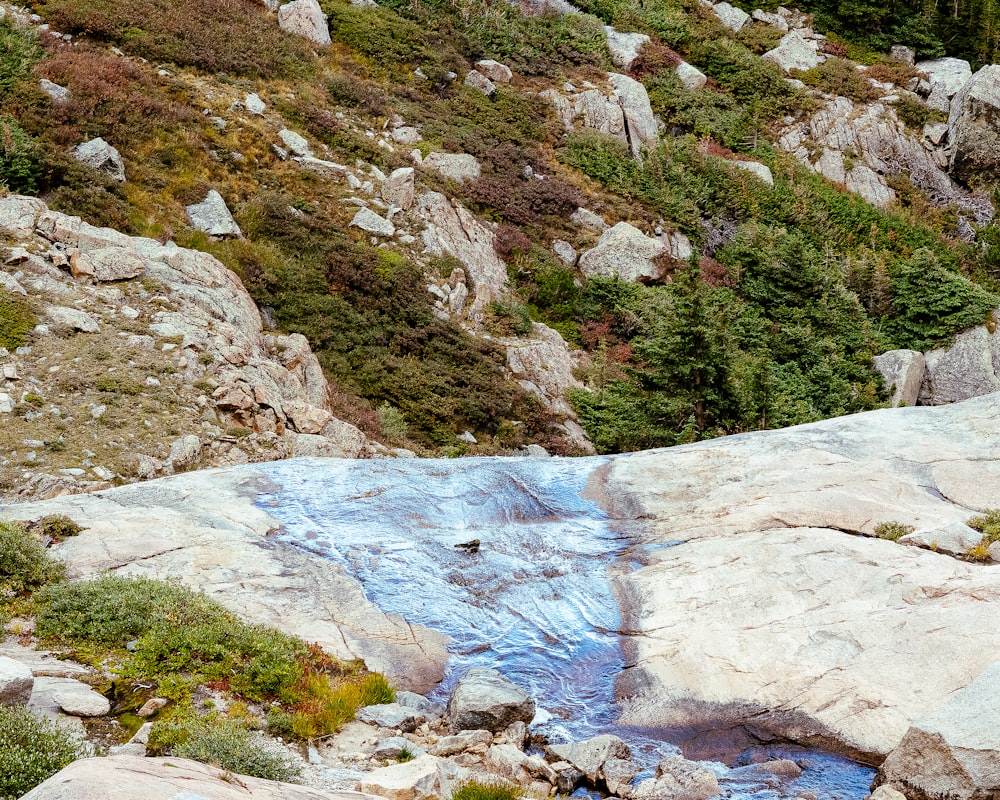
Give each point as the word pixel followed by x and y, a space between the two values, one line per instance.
pixel 16 682
pixel 900 52
pixel 771 18
pixel 478 81
pixel 618 774
pixel 678 779
pixel 641 125
pixel 100 155
pixel 624 47
pixel 420 779
pixel 627 253
pixel 586 218
pixel 73 318
pixel 689 75
pixel 212 216
pixel 459 167
pixel 494 70
pixel 762 171
pixel 903 374
pixel 254 105
pixel 18 214
pixel 974 125
pixel 296 143
pixel 461 742
pixel 732 17
pixel 82 701
pixel 486 700
pixel 590 756
pixel 367 220
pixel 305 18
pixel 184 452
pixel 595 110
pixel 794 52
pixel 960 371
pixel 420 703
pixel 955 539
pixel 566 252
pixel 398 188
pixel 107 264
pixel 167 779
pixel 59 94
pixel 946 77
pixel 952 752
pixel 543 365
pixel 391 715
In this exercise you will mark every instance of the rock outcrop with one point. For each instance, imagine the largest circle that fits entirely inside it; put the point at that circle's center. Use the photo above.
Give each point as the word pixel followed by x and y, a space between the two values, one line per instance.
pixel 952 752
pixel 212 216
pixel 903 373
pixel 974 125
pixel 946 77
pixel 966 368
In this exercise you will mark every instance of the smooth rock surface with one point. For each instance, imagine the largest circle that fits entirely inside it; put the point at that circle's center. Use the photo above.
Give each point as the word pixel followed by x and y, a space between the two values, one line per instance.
pixel 952 753
pixel 73 318
pixel 82 701
pixel 107 264
pixel 167 779
pixel 494 70
pixel 368 220
pixel 903 373
pixel 486 700
pixel 732 17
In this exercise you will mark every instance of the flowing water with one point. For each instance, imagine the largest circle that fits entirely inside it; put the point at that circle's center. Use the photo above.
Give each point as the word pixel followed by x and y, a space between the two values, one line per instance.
pixel 535 601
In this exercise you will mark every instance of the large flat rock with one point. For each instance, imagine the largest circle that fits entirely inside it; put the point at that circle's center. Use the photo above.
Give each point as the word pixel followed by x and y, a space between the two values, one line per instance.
pixel 204 529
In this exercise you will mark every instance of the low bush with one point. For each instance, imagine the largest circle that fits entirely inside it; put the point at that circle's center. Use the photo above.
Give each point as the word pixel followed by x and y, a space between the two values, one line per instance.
pixel 32 749
pixel 915 114
pixel 20 163
pixel 19 52
pixel 892 531
pixel 987 524
pixel 891 71
pixel 224 743
pixel 16 320
pixel 25 564
pixel 234 36
pixel 475 790
pixel 838 76
pixel 57 527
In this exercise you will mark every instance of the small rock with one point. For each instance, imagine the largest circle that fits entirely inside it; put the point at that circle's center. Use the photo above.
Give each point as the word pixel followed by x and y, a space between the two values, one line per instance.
pixel 733 18
pixel 692 77
pixel 485 699
pixel 456 166
pixel 467 437
pixel 100 155
pixel 394 747
pixel 406 135
pixel 420 703
pixel 494 70
pixel 588 219
pixel 72 318
pixel 391 715
pixel 254 105
pixel 624 47
pixel 184 452
pixel 151 706
pixel 59 94
pixel 566 252
pixel 295 142
pixel 398 189
pixel 212 216
pixel 368 220
pixel 16 682
pixel 461 742
pixel 589 756
pixel 82 701
pixel 476 80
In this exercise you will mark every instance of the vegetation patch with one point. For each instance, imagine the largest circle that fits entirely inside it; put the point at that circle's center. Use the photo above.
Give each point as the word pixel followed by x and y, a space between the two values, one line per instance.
pixel 31 749
pixel 475 790
pixel 893 531
pixel 988 524
pixel 16 320
pixel 25 564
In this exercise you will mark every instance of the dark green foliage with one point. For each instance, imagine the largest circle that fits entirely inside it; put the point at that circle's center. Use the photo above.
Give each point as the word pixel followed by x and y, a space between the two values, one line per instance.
pixel 16 320
pixel 20 167
pixel 31 749
pixel 25 564
pixel 234 36
pixel 916 114
pixel 931 302
pixel 379 34
pixel 19 52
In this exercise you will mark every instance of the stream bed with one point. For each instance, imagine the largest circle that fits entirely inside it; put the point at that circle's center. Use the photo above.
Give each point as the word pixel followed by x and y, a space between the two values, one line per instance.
pixel 534 601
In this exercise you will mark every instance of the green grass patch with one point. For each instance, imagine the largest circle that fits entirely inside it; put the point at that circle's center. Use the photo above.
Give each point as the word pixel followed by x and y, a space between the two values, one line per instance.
pixel 31 749
pixel 988 524
pixel 16 320
pixel 476 790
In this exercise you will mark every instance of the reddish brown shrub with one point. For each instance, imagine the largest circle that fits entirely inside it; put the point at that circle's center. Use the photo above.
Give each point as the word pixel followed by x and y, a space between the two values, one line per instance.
pixel 710 147
pixel 510 241
pixel 713 273
pixel 653 59
pixel 897 72
pixel 522 200
pixel 835 49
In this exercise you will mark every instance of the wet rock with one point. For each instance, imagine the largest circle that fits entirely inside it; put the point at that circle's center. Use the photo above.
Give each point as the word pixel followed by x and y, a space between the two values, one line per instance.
pixel 590 756
pixel 368 220
pixel 485 699
pixel 107 264
pixel 625 252
pixel 794 52
pixel 494 70
pixel 733 18
pixel 951 753
pixel 903 374
pixel 391 715
pixel 624 47
pixel 82 701
pixel 212 216
pixel 100 155
pixel 974 125
pixel 16 682
pixel 459 167
pixel 678 779
pixel 461 742
pixel 305 18
pixel 960 371
pixel 73 318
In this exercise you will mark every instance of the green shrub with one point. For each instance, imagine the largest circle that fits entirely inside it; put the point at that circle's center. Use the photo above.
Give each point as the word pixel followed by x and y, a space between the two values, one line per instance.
pixel 57 527
pixel 915 114
pixel 393 422
pixel 16 320
pixel 223 743
pixel 892 530
pixel 988 524
pixel 838 76
pixel 19 52
pixel 119 384
pixel 25 564
pixel 474 790
pixel 20 165
pixel 31 750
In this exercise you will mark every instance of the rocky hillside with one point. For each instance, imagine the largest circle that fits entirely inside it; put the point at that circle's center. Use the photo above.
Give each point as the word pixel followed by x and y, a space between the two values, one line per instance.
pixel 475 229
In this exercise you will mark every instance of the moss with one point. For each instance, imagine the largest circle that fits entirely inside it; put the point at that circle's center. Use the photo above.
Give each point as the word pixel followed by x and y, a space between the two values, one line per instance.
pixel 57 527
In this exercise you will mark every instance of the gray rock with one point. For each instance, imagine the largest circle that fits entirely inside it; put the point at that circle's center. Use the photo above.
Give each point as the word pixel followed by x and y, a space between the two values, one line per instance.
pixel 590 756
pixel 974 125
pixel 961 371
pixel 406 134
pixel 461 742
pixel 733 18
pixel 951 753
pixel 82 701
pixel 946 77
pixel 494 70
pixel 16 682
pixel 641 124
pixel 6 403
pixel 624 47
pixel 903 373
pixel 459 167
pixel 398 189
pixel 254 105
pixel 100 155
pixel 212 216
pixel 485 699
pixel 566 252
pixel 586 218
pixel 935 132
pixel 626 252
pixel 476 80
pixel 72 318
pixel 678 779
pixel 511 763
pixel 420 703
pixel 295 143
pixel 770 18
pixel 107 264
pixel 618 774
pixel 794 52
pixel 305 18
pixel 184 452
pixel 885 792
pixel 762 171
pixel 59 94
pixel 369 221
pixel 11 284
pixel 955 538
pixel 394 747
pixel 900 52
pixel 568 777
pixel 392 715
pixel 692 77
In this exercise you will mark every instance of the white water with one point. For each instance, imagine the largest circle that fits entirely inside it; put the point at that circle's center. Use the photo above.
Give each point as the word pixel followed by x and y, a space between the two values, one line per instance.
pixel 535 602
